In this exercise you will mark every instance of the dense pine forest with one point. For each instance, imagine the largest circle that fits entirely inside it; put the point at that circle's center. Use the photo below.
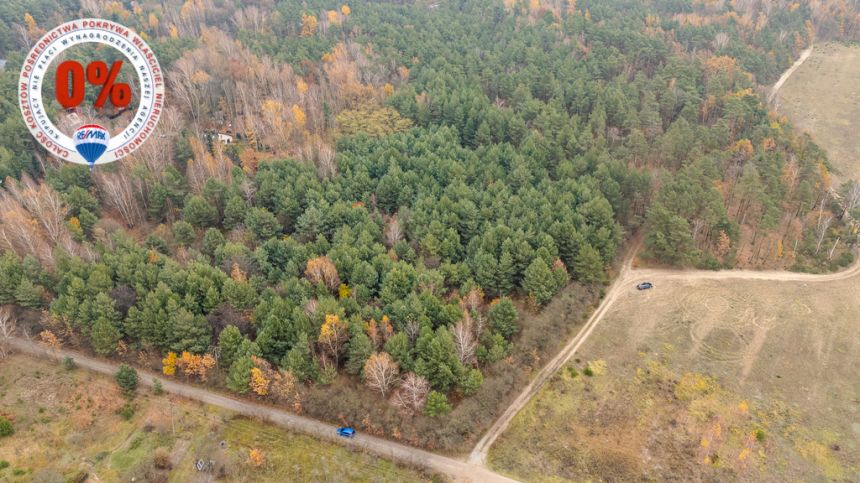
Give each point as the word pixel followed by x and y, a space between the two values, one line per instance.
pixel 417 199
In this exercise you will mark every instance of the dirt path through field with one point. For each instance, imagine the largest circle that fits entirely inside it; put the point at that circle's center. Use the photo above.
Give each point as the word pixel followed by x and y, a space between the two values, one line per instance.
pixel 785 75
pixel 460 470
pixel 822 98
pixel 473 469
pixel 625 282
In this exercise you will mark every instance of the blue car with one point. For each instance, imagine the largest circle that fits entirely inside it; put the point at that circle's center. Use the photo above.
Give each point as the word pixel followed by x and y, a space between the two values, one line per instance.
pixel 645 286
pixel 346 432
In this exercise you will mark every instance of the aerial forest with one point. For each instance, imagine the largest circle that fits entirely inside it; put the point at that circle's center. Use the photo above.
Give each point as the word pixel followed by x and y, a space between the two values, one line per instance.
pixel 385 212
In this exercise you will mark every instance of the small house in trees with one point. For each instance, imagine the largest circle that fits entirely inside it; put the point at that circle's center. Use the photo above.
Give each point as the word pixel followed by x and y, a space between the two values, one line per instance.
pixel 225 138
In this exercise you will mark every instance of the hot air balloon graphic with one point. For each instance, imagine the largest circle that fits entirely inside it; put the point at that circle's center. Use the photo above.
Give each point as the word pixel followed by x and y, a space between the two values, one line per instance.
pixel 91 141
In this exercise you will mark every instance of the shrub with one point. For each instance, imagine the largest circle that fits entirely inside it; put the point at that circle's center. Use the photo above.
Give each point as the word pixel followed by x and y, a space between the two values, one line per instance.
pixel 69 364
pixel 4 464
pixel 126 379
pixel 161 459
pixel 126 412
pixel 588 372
pixel 437 404
pixel 759 435
pixel 157 388
pixel 79 477
pixel 6 428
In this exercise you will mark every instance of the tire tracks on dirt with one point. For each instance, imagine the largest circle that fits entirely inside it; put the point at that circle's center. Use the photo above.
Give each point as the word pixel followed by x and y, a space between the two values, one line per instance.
pixel 458 469
pixel 474 469
pixel 623 282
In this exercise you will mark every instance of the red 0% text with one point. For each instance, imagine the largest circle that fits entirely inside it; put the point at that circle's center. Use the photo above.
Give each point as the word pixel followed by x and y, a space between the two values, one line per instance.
pixel 71 84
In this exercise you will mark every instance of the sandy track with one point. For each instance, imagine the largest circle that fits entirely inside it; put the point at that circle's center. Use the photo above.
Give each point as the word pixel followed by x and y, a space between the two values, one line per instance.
pixel 473 469
pixel 460 470
pixel 785 75
pixel 625 281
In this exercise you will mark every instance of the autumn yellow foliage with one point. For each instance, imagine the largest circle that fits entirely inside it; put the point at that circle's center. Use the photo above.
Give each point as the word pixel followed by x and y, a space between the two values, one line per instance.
pixel 168 364
pixel 372 121
pixel 693 385
pixel 322 270
pixel 299 115
pixel 309 25
pixel 256 457
pixel 259 382
pixel 195 365
pixel 301 86
pixel 333 334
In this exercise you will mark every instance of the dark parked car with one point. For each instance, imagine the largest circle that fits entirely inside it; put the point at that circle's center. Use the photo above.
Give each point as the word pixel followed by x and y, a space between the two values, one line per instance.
pixel 645 286
pixel 346 432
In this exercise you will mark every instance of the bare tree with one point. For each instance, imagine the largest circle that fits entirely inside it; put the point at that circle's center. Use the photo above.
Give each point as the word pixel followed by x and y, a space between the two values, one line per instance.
pixel 393 232
pixel 821 231
pixel 20 233
pixel 321 270
pixel 380 372
pixel 721 39
pixel 821 227
pixel 473 299
pixel 7 329
pixel 43 203
pixel 411 393
pixel 852 198
pixel 326 167
pixel 120 193
pixel 412 330
pixel 464 340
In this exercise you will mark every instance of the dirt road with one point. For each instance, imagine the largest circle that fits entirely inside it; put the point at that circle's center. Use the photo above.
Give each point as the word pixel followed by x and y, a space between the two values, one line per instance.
pixel 626 281
pixel 473 469
pixel 457 469
pixel 785 75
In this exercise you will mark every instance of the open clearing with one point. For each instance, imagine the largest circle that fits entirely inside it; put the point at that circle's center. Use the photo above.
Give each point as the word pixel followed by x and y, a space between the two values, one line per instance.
pixel 823 98
pixel 67 429
pixel 703 380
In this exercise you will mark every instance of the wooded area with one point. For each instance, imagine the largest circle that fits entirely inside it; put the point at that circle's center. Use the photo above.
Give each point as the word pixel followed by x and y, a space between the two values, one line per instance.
pixel 405 181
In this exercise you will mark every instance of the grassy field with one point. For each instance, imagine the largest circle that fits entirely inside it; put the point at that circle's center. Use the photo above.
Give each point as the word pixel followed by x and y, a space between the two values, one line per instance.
pixel 67 429
pixel 740 381
pixel 823 98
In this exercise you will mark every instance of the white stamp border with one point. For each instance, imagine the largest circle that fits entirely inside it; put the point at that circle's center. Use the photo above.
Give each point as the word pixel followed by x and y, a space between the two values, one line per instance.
pixel 82 31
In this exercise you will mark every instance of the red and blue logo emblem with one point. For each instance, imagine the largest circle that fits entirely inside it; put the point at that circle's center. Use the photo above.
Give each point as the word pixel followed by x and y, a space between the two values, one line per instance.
pixel 91 141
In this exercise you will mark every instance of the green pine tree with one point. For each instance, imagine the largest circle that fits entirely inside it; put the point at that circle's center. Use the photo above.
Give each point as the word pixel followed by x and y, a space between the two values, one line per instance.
pixel 503 317
pixel 539 281
pixel 190 332
pixel 29 295
pixel 300 360
pixel 239 376
pixel 360 348
pixel 105 332
pixel 229 341
pixel 588 266
pixel 437 405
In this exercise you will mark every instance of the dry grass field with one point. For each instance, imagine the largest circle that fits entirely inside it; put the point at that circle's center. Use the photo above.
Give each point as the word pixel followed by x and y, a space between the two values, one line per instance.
pixel 67 429
pixel 823 98
pixel 703 381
